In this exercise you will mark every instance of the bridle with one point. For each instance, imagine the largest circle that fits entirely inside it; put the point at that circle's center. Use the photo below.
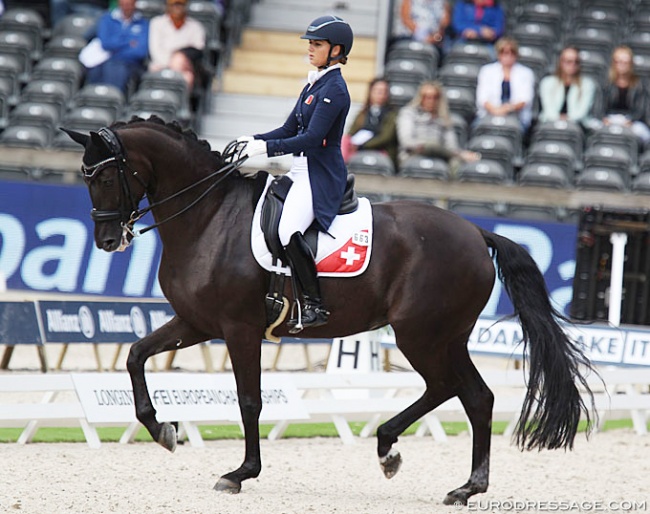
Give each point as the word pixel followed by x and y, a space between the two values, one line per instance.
pixel 129 212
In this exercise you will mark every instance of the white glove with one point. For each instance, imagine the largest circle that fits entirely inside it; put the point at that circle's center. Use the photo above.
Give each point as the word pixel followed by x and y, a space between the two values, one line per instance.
pixel 245 139
pixel 255 147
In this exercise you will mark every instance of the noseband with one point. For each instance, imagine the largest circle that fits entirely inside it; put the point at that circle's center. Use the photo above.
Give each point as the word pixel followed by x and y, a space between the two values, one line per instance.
pixel 129 211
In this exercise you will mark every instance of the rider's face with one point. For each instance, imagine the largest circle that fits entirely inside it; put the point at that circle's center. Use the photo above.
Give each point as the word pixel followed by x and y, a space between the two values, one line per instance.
pixel 318 52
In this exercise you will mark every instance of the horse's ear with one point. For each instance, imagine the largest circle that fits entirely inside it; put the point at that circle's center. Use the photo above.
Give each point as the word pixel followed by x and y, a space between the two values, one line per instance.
pixel 77 137
pixel 97 140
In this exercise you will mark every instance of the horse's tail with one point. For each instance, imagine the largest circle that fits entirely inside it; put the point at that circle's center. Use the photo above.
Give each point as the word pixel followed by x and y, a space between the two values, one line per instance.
pixel 553 404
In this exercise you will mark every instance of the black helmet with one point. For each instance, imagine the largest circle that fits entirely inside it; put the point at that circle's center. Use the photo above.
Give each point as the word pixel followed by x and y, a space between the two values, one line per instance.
pixel 333 29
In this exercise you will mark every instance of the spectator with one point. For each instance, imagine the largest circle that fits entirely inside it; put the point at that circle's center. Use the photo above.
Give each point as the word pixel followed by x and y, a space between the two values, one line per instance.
pixel 374 128
pixel 478 21
pixel 625 98
pixel 424 127
pixel 176 41
pixel 423 20
pixel 567 94
pixel 124 35
pixel 506 87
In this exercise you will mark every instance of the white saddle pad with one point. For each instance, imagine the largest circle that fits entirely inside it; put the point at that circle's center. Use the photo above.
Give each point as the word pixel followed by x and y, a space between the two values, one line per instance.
pixel 347 254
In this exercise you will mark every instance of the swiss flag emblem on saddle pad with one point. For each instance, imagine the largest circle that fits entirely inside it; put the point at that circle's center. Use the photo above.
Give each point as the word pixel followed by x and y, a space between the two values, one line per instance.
pixel 349 258
pixel 346 254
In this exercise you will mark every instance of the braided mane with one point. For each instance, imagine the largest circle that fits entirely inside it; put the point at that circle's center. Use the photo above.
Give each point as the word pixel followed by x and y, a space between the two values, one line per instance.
pixel 188 133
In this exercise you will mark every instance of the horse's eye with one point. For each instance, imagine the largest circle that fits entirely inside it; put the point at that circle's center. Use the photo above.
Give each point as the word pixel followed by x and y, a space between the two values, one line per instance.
pixel 107 182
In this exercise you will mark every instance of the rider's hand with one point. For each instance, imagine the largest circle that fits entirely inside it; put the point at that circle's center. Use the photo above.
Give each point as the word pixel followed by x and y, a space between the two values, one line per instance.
pixel 255 147
pixel 245 139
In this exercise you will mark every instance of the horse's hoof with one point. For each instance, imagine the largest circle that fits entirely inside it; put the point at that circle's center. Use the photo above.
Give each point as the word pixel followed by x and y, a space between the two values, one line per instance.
pixel 452 499
pixel 227 486
pixel 390 463
pixel 167 437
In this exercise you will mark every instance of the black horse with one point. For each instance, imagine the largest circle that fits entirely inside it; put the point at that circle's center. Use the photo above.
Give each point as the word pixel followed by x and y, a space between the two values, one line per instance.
pixel 430 275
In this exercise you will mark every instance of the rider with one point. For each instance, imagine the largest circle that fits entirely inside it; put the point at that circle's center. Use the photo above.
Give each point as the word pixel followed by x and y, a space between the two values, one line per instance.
pixel 312 133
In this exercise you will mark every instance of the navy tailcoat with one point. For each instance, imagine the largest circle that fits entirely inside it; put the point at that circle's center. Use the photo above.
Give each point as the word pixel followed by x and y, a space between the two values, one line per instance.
pixel 315 128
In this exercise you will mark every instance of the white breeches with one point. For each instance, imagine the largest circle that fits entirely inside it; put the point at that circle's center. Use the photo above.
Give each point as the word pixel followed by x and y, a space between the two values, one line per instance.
pixel 298 212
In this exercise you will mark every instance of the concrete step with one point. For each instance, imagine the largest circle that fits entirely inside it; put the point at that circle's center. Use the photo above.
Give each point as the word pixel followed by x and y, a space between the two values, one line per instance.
pixel 292 65
pixel 289 43
pixel 257 84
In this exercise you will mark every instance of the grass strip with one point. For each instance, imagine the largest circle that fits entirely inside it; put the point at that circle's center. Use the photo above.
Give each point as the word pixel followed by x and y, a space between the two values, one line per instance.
pixel 219 432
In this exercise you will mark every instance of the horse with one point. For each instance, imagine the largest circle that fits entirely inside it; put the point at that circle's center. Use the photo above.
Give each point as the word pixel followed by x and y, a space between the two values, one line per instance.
pixel 430 275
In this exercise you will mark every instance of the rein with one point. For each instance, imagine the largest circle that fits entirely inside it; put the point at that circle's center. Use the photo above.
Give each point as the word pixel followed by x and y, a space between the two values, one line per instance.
pixel 131 214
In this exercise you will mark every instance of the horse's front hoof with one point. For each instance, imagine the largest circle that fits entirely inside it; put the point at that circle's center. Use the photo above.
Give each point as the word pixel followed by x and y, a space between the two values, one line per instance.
pixel 390 463
pixel 227 486
pixel 167 438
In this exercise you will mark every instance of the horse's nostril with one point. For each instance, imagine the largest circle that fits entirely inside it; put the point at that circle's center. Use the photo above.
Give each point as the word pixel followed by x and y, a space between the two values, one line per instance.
pixel 108 245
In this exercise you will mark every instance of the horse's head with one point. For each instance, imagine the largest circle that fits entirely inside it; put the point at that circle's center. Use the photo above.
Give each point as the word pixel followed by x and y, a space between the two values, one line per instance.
pixel 115 187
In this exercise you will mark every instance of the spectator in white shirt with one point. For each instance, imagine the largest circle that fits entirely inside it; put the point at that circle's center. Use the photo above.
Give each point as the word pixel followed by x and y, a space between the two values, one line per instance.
pixel 506 87
pixel 176 41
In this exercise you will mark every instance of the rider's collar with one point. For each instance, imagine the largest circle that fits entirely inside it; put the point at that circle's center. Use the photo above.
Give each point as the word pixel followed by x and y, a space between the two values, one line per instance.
pixel 313 76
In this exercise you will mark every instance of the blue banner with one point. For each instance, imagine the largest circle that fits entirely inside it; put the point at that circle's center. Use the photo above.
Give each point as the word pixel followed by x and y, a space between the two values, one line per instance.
pixel 19 324
pixel 101 322
pixel 46 244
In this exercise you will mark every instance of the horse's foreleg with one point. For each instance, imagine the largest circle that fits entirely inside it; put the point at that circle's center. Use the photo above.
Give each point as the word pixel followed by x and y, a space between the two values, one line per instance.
pixel 173 335
pixel 477 399
pixel 245 354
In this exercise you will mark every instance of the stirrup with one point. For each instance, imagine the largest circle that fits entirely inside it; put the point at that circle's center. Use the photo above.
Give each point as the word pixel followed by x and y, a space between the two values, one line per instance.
pixel 311 315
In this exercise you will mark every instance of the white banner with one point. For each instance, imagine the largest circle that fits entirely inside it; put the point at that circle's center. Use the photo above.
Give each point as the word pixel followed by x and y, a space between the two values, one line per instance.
pixel 623 346
pixel 108 397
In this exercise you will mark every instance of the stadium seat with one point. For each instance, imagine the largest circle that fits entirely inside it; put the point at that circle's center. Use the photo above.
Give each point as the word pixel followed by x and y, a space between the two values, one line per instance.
pixel 20 46
pixel 495 148
pixel 611 157
pixel 543 175
pixel 504 126
pixel 536 59
pixel 462 101
pixel 371 162
pixel 27 21
pixel 617 135
pixel 36 115
pixel 402 93
pixel 88 118
pixel 641 183
pixel 468 53
pixel 47 91
pixel 167 79
pixel 414 50
pixel 484 171
pixel 207 13
pixel 10 70
pixel 25 136
pixel 595 64
pixel 548 213
pixel 562 131
pixel 553 152
pixel 407 70
pixel 81 25
pixel 62 69
pixel 461 75
pixel 100 95
pixel 600 179
pixel 160 99
pixel 425 167
pixel 67 46
pixel 593 39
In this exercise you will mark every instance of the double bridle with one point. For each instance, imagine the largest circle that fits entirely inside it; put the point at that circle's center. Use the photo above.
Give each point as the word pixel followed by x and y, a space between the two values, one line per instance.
pixel 129 211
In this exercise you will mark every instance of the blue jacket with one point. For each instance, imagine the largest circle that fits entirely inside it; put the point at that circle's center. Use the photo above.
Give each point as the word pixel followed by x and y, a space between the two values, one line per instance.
pixel 126 42
pixel 464 18
pixel 315 127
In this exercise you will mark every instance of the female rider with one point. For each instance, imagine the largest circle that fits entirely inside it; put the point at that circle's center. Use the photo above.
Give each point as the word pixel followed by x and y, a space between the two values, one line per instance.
pixel 312 133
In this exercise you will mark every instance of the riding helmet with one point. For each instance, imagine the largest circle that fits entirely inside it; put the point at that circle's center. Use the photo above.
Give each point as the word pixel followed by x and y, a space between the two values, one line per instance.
pixel 333 29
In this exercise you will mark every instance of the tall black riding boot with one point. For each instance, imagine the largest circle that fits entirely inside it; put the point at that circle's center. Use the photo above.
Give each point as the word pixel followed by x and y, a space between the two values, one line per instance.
pixel 301 260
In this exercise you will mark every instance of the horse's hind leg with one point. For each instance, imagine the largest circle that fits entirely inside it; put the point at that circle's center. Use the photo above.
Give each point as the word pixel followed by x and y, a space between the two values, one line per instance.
pixel 440 386
pixel 173 335
pixel 478 400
